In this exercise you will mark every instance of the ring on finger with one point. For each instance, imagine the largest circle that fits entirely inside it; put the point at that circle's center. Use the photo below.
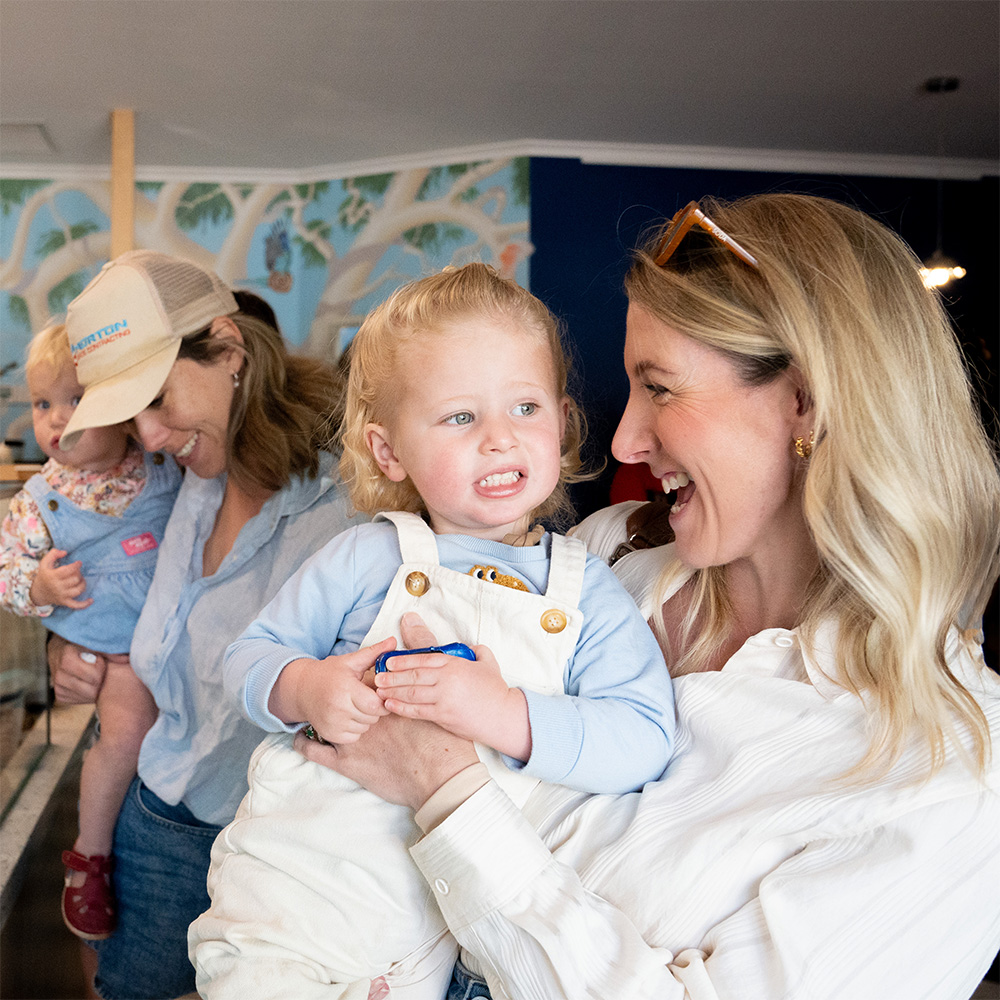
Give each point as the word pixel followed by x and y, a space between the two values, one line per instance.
pixel 310 734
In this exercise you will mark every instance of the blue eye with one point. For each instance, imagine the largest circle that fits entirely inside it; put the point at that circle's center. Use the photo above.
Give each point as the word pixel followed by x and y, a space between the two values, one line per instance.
pixel 525 409
pixel 41 404
pixel 75 401
pixel 460 419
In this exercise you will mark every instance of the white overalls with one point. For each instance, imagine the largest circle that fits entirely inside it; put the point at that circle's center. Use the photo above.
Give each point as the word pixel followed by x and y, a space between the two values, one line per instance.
pixel 312 883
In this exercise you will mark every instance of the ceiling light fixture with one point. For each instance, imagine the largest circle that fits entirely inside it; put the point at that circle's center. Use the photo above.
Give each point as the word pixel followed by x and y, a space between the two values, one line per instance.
pixel 939 269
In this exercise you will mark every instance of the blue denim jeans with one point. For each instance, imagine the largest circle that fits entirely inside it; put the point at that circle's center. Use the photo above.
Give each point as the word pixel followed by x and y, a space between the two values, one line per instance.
pixel 161 862
pixel 466 986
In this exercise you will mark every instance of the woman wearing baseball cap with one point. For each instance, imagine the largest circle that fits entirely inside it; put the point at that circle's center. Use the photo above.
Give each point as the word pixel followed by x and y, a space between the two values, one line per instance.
pixel 159 341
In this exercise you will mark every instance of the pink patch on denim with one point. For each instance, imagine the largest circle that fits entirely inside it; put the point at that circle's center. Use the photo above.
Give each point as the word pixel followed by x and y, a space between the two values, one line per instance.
pixel 139 543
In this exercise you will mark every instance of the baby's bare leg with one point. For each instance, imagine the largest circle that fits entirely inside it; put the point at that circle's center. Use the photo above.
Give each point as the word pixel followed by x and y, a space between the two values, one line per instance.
pixel 126 710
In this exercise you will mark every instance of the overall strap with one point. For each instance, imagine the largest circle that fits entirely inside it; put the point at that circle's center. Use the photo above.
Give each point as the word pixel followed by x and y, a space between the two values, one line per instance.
pixel 38 487
pixel 161 469
pixel 566 569
pixel 416 540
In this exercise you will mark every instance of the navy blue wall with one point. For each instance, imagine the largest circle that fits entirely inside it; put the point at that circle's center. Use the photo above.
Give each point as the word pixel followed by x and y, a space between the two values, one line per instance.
pixel 585 218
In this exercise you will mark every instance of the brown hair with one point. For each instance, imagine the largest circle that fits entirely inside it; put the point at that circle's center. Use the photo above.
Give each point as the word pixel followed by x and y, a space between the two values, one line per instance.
pixel 283 408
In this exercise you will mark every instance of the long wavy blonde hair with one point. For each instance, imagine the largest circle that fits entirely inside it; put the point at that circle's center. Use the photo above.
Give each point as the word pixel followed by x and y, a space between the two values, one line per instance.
pixel 424 308
pixel 902 493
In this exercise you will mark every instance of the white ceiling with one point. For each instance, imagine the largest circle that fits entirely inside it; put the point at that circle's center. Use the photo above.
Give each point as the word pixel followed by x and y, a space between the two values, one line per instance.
pixel 345 86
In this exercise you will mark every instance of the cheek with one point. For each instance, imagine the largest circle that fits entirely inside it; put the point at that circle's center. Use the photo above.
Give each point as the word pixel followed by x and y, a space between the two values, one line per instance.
pixel 440 469
pixel 683 436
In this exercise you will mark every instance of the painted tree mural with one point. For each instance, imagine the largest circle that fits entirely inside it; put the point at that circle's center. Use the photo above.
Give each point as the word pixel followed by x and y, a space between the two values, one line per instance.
pixel 321 253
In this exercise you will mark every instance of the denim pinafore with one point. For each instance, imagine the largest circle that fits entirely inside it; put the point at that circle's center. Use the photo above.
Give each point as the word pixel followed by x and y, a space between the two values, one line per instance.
pixel 118 555
pixel 532 635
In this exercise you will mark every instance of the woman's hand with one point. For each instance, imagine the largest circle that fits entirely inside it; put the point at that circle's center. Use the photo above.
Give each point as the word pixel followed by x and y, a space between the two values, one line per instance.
pixel 77 673
pixel 401 760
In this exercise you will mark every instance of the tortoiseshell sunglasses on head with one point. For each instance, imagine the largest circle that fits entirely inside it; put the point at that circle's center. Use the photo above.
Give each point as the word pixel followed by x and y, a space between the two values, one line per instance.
pixel 683 222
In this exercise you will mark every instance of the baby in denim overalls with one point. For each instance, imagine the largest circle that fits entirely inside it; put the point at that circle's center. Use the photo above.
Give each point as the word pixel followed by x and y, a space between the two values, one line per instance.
pixel 103 505
pixel 458 427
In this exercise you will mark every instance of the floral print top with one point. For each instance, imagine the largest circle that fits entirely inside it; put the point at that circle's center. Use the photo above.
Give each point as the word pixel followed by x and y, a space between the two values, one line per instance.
pixel 24 538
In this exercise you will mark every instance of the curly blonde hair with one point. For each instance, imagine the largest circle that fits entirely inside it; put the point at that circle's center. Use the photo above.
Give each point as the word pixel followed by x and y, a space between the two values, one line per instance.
pixel 420 309
pixel 902 492
pixel 50 346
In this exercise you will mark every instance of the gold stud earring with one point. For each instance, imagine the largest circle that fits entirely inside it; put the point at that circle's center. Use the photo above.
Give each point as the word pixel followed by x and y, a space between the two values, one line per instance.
pixel 804 448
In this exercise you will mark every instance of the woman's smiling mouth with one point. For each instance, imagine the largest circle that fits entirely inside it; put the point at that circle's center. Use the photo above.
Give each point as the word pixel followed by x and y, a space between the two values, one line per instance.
pixel 187 448
pixel 676 483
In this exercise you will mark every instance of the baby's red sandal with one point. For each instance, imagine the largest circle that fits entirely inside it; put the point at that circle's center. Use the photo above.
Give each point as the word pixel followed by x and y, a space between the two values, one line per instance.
pixel 88 910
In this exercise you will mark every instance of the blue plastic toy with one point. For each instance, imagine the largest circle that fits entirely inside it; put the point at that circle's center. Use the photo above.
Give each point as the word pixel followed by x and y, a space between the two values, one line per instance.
pixel 452 649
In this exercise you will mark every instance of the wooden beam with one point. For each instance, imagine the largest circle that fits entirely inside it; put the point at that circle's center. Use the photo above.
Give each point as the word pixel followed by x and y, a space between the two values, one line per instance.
pixel 122 181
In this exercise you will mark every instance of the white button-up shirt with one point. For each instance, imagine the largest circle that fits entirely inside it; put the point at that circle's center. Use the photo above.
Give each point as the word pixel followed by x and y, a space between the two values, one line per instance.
pixel 753 869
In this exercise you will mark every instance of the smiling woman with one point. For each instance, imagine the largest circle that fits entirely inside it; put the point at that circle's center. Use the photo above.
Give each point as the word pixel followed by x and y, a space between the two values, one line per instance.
pixel 163 343
pixel 827 825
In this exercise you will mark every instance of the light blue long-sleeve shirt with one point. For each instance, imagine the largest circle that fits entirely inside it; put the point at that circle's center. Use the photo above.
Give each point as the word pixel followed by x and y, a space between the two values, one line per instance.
pixel 611 731
pixel 198 750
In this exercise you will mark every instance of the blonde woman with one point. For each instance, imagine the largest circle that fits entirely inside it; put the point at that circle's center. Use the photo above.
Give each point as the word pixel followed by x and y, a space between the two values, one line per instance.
pixel 827 827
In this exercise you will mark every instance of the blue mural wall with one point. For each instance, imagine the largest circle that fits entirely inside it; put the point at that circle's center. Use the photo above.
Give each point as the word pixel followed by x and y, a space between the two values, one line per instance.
pixel 322 254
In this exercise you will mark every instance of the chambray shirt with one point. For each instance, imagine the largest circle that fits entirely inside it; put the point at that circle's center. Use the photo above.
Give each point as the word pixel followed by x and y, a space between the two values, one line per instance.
pixel 198 750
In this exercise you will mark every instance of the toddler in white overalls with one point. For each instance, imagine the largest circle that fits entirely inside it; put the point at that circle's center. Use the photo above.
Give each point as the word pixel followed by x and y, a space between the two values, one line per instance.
pixel 103 505
pixel 459 426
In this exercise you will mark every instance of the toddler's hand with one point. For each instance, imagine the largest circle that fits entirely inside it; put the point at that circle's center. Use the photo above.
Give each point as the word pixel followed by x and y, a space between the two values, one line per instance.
pixel 60 585
pixel 332 694
pixel 471 700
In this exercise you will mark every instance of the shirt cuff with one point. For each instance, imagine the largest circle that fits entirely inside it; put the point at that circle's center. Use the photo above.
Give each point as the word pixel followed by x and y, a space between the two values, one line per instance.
pixel 451 795
pixel 484 853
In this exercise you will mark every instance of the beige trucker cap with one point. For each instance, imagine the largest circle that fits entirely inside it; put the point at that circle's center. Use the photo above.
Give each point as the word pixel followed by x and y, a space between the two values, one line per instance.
pixel 125 330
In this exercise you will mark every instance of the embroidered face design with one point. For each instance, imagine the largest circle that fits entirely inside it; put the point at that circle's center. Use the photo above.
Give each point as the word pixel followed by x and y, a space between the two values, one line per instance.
pixel 492 575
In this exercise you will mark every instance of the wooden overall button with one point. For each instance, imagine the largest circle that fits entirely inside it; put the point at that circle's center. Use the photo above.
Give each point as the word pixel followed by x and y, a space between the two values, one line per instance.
pixel 53 505
pixel 158 459
pixel 417 584
pixel 553 620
